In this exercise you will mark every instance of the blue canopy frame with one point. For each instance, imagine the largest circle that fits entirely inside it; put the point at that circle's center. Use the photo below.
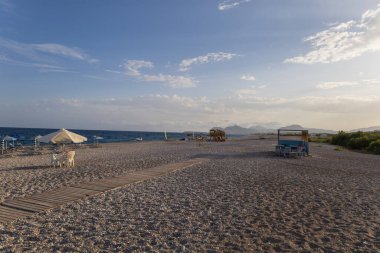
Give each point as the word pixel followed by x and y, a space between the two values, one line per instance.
pixel 291 146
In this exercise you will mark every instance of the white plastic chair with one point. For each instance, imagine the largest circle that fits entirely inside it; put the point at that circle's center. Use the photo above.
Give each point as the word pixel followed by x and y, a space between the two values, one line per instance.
pixel 55 161
pixel 70 155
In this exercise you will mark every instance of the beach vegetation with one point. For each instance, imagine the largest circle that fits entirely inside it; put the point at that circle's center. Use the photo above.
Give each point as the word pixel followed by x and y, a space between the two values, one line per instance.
pixel 374 147
pixel 364 141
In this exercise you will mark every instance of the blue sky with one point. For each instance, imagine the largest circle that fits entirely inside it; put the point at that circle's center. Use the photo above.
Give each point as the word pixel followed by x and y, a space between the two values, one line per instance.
pixel 189 65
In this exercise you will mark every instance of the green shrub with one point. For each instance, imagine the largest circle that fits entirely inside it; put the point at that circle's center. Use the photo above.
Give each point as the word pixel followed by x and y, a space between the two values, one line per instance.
pixel 341 139
pixel 374 147
pixel 359 142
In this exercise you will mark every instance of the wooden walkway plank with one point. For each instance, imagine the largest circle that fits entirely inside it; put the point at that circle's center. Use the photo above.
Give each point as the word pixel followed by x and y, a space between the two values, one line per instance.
pixel 91 187
pixel 25 205
pixel 55 193
pixel 14 209
pixel 114 181
pixel 62 190
pixel 6 219
pixel 109 184
pixel 52 201
pixel 10 215
pixel 4 209
pixel 97 183
pixel 129 179
pixel 60 200
pixel 38 202
pixel 70 195
pixel 150 174
pixel 139 177
pixel 86 191
pixel 94 187
pixel 74 189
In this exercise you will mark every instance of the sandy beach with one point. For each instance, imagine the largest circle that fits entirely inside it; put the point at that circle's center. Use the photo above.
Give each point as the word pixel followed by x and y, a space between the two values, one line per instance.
pixel 242 199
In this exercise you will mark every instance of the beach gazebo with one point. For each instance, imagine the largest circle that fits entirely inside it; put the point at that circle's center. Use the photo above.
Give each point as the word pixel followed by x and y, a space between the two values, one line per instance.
pixel 217 134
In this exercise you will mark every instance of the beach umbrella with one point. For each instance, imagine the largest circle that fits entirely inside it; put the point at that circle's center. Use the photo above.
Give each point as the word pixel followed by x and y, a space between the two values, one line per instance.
pixel 9 138
pixel 62 136
pixel 96 139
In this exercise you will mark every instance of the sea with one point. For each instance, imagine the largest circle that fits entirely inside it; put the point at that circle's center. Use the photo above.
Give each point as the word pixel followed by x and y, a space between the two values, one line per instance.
pixel 26 136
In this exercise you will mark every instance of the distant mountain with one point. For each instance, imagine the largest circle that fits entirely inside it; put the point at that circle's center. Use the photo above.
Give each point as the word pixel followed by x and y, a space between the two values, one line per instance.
pixel 261 129
pixel 294 127
pixel 238 130
pixel 367 129
pixel 311 130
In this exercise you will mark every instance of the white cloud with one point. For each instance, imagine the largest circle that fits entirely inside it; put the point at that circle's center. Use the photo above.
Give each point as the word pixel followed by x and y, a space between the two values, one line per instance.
pixel 366 83
pixel 113 71
pixel 230 4
pixel 371 82
pixel 210 57
pixel 33 51
pixel 344 41
pixel 246 93
pixel 172 81
pixel 332 85
pixel 248 78
pixel 133 66
pixel 41 66
pixel 62 50
pixel 52 70
pixel 96 77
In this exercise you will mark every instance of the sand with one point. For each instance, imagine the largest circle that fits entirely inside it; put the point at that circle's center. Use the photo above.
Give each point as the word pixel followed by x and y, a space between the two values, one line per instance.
pixel 243 199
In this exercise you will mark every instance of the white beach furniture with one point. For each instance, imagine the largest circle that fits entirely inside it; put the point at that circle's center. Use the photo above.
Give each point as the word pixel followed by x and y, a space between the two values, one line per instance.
pixel 70 159
pixel 55 161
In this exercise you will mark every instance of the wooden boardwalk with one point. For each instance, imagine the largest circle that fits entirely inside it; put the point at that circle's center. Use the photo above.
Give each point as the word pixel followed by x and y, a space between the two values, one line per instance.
pixel 17 208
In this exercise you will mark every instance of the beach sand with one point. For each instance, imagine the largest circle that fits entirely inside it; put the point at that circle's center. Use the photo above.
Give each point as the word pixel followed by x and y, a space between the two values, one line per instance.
pixel 242 199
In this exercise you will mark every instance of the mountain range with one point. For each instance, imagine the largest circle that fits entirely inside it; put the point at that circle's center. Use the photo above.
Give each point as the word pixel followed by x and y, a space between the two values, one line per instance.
pixel 238 130
pixel 367 129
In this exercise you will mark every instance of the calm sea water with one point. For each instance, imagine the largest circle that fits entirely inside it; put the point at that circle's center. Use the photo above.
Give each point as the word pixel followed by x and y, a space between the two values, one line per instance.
pixel 26 135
